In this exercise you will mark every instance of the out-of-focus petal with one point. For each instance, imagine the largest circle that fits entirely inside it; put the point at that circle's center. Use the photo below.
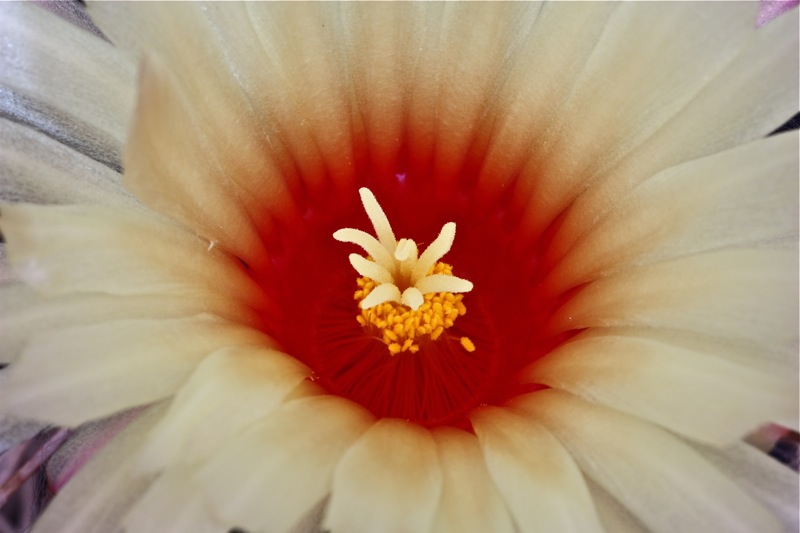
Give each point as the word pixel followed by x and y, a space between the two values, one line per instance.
pixel 272 491
pixel 151 360
pixel 64 81
pixel 470 503
pixel 38 169
pixel 771 9
pixel 389 481
pixel 770 482
pixel 655 475
pixel 83 444
pixel 100 494
pixel 540 483
pixel 172 503
pixel 665 383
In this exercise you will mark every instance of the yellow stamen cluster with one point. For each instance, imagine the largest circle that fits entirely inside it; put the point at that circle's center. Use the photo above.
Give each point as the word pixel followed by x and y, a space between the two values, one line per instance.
pixel 402 328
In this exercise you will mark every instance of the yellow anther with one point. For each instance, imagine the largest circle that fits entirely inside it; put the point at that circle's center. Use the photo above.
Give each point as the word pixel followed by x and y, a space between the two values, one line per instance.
pixel 467 344
pixel 401 328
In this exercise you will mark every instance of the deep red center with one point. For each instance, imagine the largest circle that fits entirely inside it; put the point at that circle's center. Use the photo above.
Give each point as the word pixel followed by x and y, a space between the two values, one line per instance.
pixel 314 314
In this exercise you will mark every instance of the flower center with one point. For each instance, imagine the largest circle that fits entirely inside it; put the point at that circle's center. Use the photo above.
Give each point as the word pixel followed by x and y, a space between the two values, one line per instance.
pixel 404 297
pixel 406 335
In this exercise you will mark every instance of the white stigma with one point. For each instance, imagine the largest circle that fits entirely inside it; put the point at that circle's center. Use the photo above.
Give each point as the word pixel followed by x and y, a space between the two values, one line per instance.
pixel 396 265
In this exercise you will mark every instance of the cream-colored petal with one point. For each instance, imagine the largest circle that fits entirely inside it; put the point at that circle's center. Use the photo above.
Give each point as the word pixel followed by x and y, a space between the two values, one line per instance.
pixel 666 383
pixel 742 197
pixel 66 82
pixel 95 500
pixel 764 478
pixel 38 169
pixel 378 47
pixel 761 82
pixel 613 515
pixel 229 390
pixel 539 481
pixel 24 314
pixel 68 249
pixel 173 503
pixel 224 56
pixel 75 374
pixel 268 478
pixel 470 503
pixel 174 168
pixel 651 117
pixel 435 251
pixel 747 295
pixel 443 283
pixel 370 269
pixel 385 292
pixel 459 57
pixel 655 475
pixel 389 481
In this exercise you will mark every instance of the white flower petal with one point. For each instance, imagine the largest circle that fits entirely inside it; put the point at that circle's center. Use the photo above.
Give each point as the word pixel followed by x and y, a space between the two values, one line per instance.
pixel 470 502
pixel 443 283
pixel 386 292
pixel 370 269
pixel 24 313
pixel 539 481
pixel 435 251
pixel 453 72
pixel 36 168
pixel 655 475
pixel 770 482
pixel 388 481
pixel 172 503
pixel 651 118
pixel 228 391
pixel 225 55
pixel 81 86
pixel 613 515
pixel 99 495
pixel 68 249
pixel 185 178
pixel 742 197
pixel 762 82
pixel 268 478
pixel 68 376
pixel 666 384
pixel 747 295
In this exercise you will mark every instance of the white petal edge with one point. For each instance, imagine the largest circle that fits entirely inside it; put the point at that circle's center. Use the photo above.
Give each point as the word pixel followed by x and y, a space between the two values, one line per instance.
pixel 271 476
pixel 68 376
pixel 388 481
pixel 470 502
pixel 95 500
pixel 229 390
pixel 654 474
pixel 536 476
pixel 665 384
